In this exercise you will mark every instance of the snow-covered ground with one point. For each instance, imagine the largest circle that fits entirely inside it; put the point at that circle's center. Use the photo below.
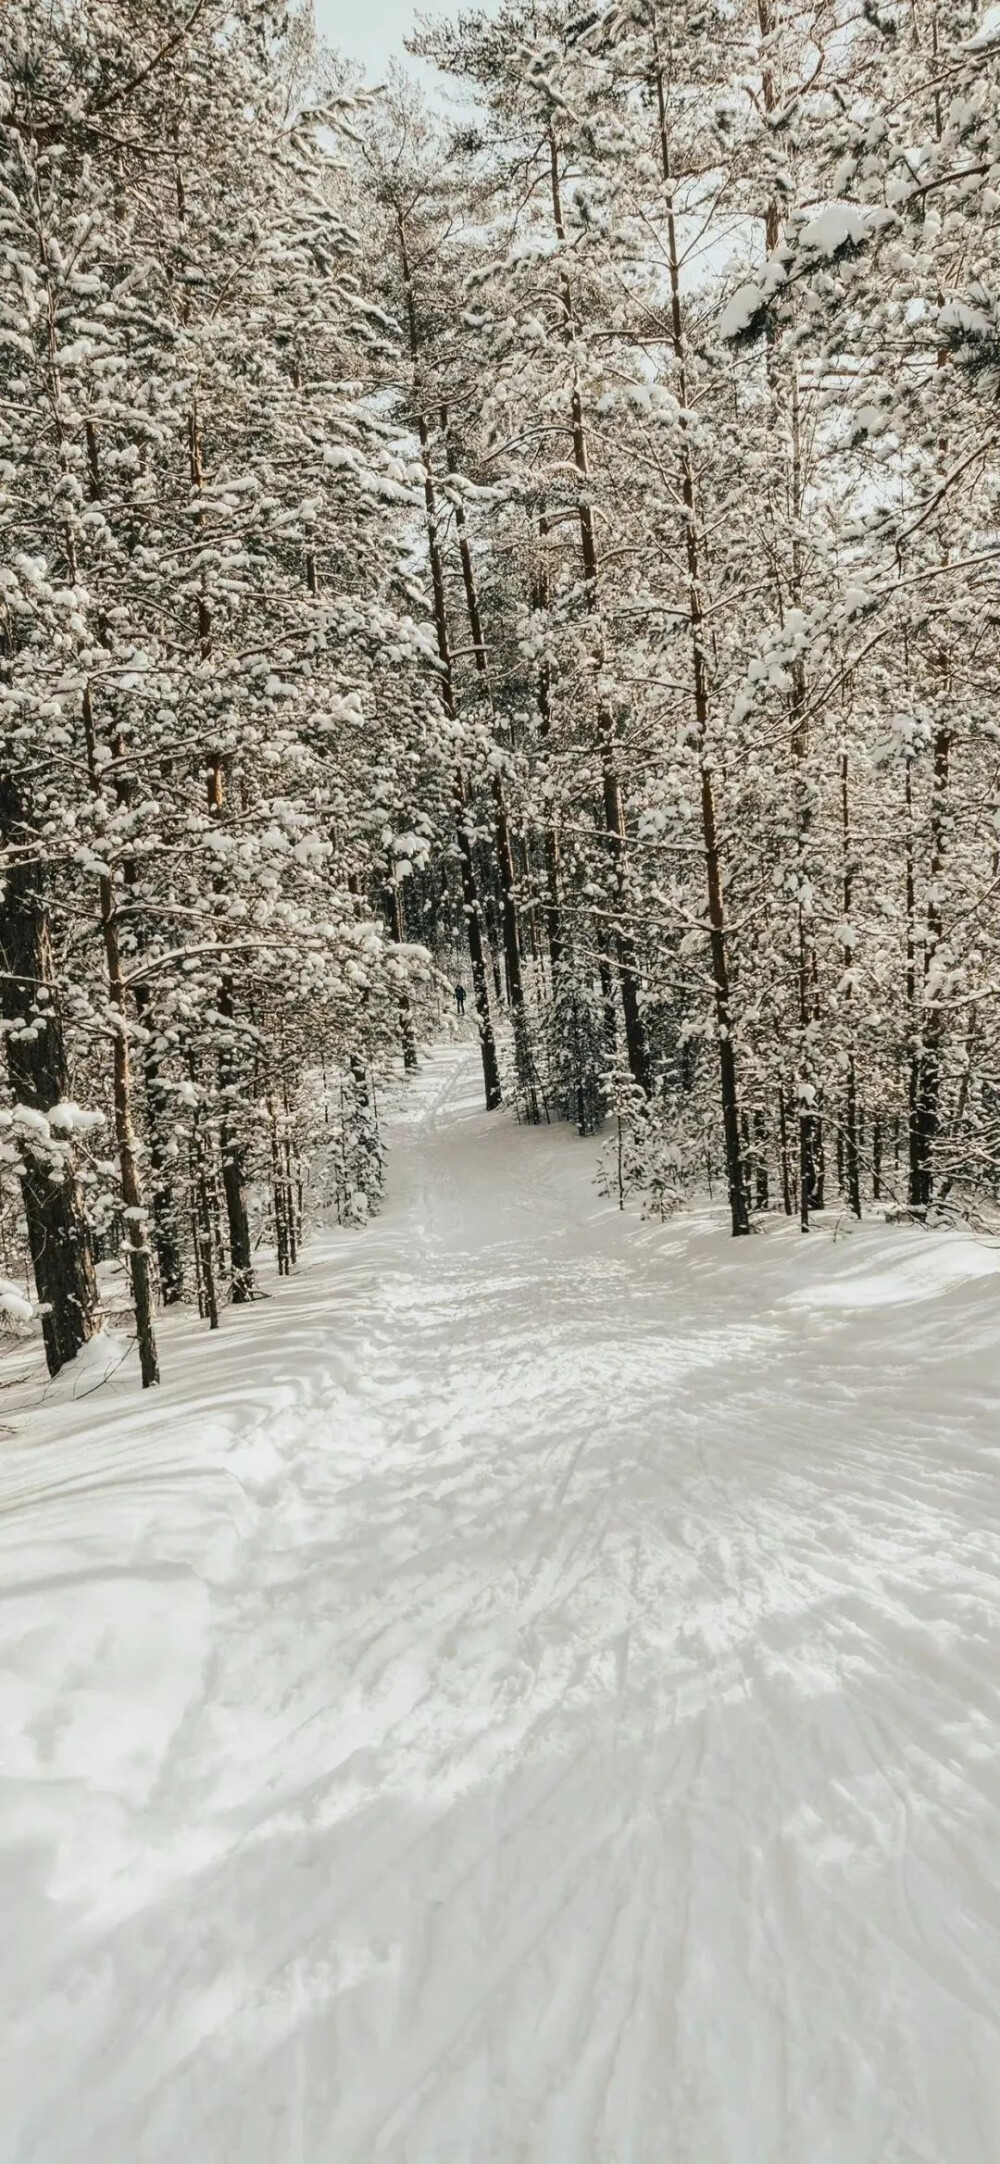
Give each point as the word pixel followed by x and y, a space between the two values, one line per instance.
pixel 526 1694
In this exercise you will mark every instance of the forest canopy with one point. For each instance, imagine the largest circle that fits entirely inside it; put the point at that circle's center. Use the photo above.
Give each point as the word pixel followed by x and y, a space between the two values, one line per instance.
pixel 552 540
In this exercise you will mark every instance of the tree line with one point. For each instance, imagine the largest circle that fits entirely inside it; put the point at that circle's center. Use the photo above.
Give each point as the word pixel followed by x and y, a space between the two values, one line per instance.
pixel 550 537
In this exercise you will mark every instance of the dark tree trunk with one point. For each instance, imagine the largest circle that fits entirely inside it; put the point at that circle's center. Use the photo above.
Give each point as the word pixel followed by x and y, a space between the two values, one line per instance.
pixel 787 1199
pixel 636 1044
pixel 136 1234
pixel 241 1284
pixel 241 1281
pixel 805 1167
pixel 161 1219
pixel 614 819
pixel 553 918
pixel 166 1232
pixel 58 1237
pixel 850 1138
pixel 760 1166
pixel 728 1089
pixel 203 1235
pixel 291 1216
pixel 529 917
pixel 913 1064
pixel 394 912
pixel 524 1057
pixel 494 945
pixel 927 1064
pixel 278 1189
pixel 477 955
pixel 609 1005
pixel 851 1151
pixel 470 891
pixel 504 850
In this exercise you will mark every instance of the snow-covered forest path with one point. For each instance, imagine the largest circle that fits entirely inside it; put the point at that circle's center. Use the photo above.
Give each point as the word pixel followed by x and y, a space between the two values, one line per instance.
pixel 527 1694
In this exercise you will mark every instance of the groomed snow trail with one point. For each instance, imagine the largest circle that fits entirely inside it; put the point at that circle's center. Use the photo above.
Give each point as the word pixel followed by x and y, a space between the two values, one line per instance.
pixel 526 1694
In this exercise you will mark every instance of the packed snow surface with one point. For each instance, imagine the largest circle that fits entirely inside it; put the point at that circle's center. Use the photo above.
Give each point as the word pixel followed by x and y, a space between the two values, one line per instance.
pixel 528 1693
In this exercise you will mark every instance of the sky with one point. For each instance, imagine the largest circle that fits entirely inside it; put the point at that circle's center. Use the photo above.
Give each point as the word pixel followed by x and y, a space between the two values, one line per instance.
pixel 372 30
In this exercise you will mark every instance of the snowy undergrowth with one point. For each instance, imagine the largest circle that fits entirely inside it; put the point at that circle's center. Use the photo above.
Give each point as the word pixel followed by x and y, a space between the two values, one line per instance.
pixel 524 1694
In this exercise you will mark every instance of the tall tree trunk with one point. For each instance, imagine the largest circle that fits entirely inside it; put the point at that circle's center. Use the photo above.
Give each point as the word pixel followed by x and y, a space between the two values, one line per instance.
pixel 852 1157
pixel 927 1093
pixel 926 1075
pixel 202 1215
pixel 164 1226
pixel 735 1170
pixel 913 1061
pixel 287 1153
pixel 504 852
pixel 166 1236
pixel 493 934
pixel 277 1188
pixel 136 1238
pixel 760 1165
pixel 550 839
pixel 477 952
pixel 394 913
pixel 166 1231
pixel 241 1278
pixel 609 1004
pixel 809 1119
pixel 470 891
pixel 810 1142
pixel 58 1238
pixel 787 1199
pixel 636 1043
pixel 241 1281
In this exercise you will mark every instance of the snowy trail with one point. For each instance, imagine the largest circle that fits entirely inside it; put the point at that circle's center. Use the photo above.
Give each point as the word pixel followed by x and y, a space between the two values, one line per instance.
pixel 528 1694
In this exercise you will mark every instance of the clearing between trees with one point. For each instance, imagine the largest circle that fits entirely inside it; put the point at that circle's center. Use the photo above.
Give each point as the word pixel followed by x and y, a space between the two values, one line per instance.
pixel 524 1694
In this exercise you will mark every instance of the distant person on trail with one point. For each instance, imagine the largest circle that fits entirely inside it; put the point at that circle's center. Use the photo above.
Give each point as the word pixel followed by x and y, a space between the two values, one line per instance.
pixel 460 998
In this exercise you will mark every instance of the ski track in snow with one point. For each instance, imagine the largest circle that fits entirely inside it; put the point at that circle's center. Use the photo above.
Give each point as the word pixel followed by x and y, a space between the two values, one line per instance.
pixel 526 1694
